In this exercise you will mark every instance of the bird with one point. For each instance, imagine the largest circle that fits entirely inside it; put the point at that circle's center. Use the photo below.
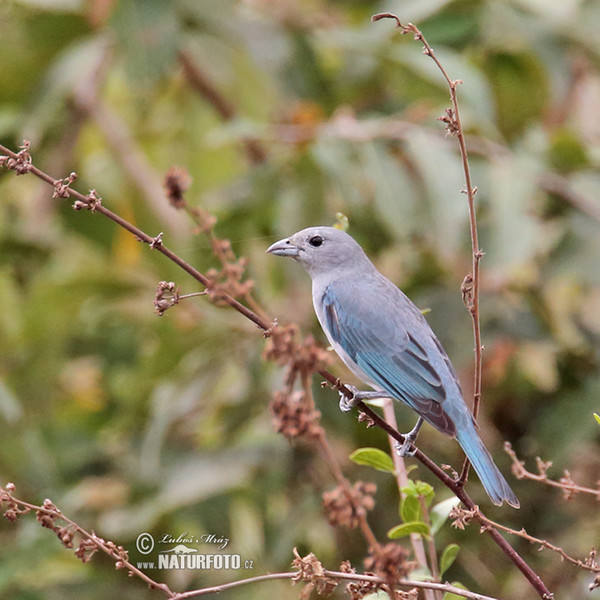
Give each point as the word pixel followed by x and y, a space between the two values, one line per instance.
pixel 385 340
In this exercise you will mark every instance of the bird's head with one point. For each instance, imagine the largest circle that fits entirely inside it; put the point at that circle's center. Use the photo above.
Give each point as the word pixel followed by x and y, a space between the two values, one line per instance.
pixel 322 250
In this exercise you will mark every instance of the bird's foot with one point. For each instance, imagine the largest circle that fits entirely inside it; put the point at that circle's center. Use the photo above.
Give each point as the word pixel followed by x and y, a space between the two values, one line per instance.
pixel 347 404
pixel 407 447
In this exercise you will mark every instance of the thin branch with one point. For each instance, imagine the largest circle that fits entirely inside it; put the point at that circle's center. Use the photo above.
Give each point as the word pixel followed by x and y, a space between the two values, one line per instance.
pixel 21 163
pixel 344 484
pixel 90 542
pixel 470 285
pixel 454 485
pixel 590 563
pixel 566 483
pixel 217 589
pixel 94 203
pixel 401 475
pixel 424 585
pixel 431 585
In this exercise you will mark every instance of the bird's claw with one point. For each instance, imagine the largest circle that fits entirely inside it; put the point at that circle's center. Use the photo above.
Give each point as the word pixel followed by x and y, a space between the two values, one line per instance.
pixel 347 404
pixel 406 448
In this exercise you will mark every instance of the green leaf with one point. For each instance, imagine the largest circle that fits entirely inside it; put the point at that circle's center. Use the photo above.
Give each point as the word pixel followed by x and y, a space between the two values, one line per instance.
pixel 439 513
pixel 410 509
pixel 597 417
pixel 448 556
pixel 567 152
pixel 373 457
pixel 459 585
pixel 519 83
pixel 378 595
pixel 419 488
pixel 426 490
pixel 405 529
pixel 421 574
pixel 410 489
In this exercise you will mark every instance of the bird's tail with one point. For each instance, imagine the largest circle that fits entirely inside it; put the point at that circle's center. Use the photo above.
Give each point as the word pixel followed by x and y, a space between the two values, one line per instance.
pixel 493 481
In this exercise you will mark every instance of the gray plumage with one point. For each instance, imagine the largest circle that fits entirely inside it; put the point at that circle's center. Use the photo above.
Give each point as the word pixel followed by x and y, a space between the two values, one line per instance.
pixel 385 340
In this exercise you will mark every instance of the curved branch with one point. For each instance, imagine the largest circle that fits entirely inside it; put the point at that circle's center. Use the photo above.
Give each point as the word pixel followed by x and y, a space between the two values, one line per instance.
pixel 339 575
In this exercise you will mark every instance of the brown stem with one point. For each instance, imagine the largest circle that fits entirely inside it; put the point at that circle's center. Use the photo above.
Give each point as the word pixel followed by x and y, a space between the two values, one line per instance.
pixel 431 549
pixel 329 457
pixel 97 541
pixel 566 484
pixel 416 540
pixel 454 127
pixel 424 585
pixel 366 530
pixel 590 565
pixel 456 486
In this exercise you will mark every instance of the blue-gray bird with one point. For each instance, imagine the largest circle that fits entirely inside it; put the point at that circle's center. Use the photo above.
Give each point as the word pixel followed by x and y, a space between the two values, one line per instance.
pixel 385 340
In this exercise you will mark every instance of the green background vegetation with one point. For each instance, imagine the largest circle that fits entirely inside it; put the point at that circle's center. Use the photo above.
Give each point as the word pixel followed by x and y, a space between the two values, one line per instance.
pixel 132 423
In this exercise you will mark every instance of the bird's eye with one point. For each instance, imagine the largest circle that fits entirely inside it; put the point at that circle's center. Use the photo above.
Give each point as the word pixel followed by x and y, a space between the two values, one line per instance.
pixel 315 241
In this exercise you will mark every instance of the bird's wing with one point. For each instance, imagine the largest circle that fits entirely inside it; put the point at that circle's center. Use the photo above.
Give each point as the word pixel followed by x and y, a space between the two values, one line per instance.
pixel 380 330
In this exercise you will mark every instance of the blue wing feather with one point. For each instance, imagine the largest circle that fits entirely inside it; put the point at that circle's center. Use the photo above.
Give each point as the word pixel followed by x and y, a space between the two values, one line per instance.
pixel 393 347
pixel 397 355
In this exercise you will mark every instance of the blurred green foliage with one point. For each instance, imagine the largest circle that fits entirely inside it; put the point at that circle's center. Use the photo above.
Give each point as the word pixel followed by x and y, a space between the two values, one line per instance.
pixel 131 423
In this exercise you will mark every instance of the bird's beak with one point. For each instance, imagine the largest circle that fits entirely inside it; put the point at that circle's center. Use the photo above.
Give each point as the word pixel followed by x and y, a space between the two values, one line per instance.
pixel 284 248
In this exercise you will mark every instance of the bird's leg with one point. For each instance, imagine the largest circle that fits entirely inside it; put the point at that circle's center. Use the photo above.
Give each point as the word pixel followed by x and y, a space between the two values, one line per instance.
pixel 407 448
pixel 347 404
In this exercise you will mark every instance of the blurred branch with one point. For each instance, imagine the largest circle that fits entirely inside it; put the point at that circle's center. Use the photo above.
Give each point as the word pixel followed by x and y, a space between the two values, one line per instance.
pixel 461 517
pixel 21 163
pixel 566 483
pixel 200 81
pixel 62 149
pixel 344 125
pixel 311 572
pixel 401 475
pixel 559 185
pixel 48 515
pixel 129 156
pixel 358 505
